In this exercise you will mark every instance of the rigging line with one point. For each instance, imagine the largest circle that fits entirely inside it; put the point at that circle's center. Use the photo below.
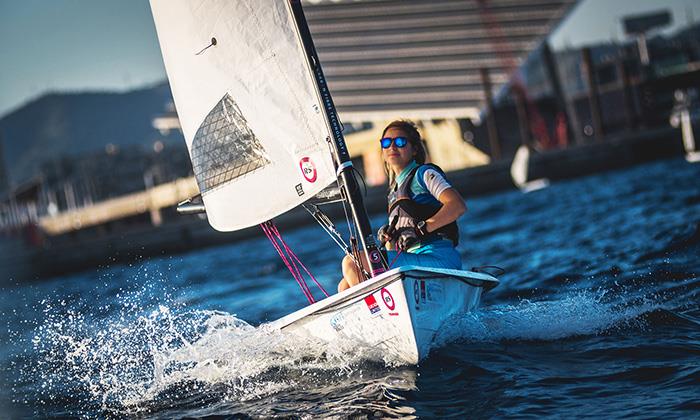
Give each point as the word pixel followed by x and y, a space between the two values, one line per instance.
pixel 295 257
pixel 327 226
pixel 345 210
pixel 300 281
pixel 356 173
pixel 395 258
pixel 291 256
pixel 296 273
pixel 352 230
pixel 284 259
pixel 331 230
pixel 213 43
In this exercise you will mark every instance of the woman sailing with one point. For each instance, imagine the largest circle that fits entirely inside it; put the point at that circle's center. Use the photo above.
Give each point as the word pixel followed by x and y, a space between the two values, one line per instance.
pixel 423 208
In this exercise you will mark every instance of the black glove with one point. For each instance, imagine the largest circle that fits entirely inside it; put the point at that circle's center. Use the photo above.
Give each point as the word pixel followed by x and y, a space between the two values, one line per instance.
pixel 385 234
pixel 406 238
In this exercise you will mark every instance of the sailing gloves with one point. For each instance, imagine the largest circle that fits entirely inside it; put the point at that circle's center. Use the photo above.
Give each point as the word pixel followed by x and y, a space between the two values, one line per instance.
pixel 403 238
pixel 384 234
pixel 406 237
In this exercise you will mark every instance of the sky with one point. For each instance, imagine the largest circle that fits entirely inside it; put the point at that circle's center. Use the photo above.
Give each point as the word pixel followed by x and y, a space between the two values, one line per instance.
pixel 111 45
pixel 75 45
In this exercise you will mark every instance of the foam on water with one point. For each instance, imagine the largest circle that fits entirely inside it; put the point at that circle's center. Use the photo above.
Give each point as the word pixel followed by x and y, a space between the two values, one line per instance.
pixel 79 346
pixel 577 313
pixel 131 362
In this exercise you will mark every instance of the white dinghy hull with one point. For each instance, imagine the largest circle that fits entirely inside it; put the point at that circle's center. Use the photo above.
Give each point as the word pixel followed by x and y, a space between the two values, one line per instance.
pixel 397 313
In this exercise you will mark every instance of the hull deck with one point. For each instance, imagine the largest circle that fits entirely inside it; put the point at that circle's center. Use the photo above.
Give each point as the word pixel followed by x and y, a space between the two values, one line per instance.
pixel 397 313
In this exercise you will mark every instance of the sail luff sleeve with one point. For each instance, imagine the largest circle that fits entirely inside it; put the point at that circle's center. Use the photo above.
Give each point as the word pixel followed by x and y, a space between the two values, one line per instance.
pixel 349 183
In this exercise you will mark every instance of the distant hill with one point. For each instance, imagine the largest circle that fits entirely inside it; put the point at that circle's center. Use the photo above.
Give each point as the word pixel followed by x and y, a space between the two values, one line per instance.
pixel 60 124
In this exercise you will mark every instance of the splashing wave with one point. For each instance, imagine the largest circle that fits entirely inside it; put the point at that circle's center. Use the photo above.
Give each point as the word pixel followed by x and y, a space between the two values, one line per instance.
pixel 580 313
pixel 130 364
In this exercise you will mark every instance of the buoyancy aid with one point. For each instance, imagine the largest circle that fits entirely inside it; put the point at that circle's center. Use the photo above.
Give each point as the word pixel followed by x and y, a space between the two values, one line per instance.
pixel 405 213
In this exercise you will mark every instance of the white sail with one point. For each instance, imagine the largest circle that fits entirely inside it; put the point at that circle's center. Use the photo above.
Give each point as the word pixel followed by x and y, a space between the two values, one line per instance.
pixel 519 172
pixel 691 155
pixel 248 106
pixel 519 167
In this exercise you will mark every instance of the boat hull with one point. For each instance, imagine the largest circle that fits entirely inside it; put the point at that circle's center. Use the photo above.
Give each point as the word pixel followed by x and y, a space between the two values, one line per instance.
pixel 396 314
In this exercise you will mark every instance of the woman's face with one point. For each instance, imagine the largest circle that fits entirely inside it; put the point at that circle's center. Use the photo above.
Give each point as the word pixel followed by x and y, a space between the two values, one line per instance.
pixel 397 157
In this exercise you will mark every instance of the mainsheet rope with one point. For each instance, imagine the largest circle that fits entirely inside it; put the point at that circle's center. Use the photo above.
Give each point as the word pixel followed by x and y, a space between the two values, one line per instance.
pixel 291 260
pixel 395 258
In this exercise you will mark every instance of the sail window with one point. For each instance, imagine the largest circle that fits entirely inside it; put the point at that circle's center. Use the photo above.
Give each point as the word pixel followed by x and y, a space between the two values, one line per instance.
pixel 224 147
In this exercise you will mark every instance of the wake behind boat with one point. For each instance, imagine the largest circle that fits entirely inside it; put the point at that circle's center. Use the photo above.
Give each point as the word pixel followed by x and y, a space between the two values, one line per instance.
pixel 264 137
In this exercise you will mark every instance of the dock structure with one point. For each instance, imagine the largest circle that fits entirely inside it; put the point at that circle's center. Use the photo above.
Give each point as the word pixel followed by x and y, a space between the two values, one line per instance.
pixel 425 61
pixel 443 64
pixel 384 60
pixel 151 200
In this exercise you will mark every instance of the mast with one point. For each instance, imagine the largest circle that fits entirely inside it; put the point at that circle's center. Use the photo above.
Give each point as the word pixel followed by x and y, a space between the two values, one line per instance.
pixel 340 150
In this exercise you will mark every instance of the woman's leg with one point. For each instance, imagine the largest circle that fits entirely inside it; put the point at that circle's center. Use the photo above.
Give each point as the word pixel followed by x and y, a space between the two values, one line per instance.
pixel 351 273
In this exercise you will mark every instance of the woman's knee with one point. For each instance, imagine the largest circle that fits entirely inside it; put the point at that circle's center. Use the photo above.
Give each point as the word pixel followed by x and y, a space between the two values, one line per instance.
pixel 347 264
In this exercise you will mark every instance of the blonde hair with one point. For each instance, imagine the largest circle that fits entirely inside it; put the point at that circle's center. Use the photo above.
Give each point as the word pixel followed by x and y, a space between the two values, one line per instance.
pixel 414 138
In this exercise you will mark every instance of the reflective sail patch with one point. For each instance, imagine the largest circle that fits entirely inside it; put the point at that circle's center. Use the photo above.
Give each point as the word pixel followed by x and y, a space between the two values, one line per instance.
pixel 224 147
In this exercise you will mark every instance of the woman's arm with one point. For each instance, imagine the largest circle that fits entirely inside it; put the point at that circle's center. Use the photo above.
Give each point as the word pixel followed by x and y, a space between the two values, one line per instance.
pixel 453 206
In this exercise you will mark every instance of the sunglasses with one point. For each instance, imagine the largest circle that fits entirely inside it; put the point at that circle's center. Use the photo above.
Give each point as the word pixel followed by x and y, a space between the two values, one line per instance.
pixel 398 141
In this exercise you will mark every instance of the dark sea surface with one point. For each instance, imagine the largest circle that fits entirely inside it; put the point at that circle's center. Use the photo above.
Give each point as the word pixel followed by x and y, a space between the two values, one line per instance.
pixel 598 315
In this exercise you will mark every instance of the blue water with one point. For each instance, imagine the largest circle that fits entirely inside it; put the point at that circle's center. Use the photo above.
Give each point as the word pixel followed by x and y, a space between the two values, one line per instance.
pixel 597 316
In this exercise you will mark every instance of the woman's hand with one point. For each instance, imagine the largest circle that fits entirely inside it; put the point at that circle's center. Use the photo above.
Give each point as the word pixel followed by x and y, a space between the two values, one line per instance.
pixel 384 234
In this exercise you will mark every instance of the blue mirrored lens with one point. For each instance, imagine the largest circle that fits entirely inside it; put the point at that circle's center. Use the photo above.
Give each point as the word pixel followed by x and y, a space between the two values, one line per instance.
pixel 398 141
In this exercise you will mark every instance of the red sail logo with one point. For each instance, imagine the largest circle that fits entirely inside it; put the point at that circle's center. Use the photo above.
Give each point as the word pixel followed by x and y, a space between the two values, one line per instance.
pixel 308 169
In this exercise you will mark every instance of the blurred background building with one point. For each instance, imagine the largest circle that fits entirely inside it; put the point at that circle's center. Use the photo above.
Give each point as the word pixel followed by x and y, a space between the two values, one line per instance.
pixel 479 77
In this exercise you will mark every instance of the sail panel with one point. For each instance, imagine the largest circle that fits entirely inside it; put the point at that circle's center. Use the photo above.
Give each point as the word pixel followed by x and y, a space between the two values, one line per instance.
pixel 247 104
pixel 224 147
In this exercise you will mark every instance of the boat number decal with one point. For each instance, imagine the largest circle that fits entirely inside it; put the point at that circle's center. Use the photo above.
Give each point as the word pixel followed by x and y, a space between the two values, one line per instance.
pixel 416 296
pixel 388 299
pixel 422 290
pixel 374 256
pixel 371 303
pixel 338 321
pixel 308 169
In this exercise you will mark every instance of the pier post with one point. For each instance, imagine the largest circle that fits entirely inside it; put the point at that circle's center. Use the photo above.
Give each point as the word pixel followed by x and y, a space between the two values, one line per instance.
pixel 491 116
pixel 572 125
pixel 594 102
pixel 624 83
pixel 523 120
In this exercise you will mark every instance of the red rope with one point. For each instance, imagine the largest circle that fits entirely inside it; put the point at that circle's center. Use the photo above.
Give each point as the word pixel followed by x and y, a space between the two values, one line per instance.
pixel 291 260
pixel 300 281
pixel 290 252
pixel 395 258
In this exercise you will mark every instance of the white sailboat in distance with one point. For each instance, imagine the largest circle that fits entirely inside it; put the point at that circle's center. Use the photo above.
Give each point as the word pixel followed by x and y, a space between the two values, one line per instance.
pixel 519 172
pixel 264 137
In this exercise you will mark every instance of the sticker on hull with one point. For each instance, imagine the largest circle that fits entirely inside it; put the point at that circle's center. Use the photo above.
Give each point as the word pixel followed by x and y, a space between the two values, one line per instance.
pixel 372 305
pixel 338 321
pixel 389 301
